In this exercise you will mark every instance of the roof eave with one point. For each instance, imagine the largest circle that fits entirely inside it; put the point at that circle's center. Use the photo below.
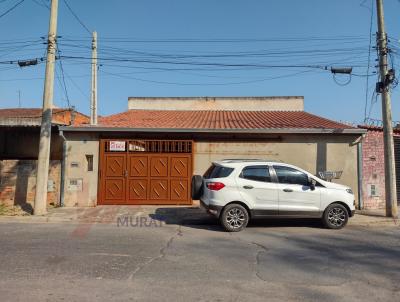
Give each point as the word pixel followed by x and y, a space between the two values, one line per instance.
pixel 195 130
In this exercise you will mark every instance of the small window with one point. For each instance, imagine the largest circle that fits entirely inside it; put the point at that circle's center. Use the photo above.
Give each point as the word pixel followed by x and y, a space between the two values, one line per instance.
pixel 217 172
pixel 373 191
pixel 256 173
pixel 287 175
pixel 89 159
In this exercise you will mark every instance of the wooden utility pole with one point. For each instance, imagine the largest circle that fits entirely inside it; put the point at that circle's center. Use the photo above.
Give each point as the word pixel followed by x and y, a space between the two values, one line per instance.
pixel 93 94
pixel 384 84
pixel 40 206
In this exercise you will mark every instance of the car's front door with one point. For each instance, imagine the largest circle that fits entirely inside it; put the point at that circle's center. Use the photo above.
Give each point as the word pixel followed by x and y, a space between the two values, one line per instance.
pixel 258 190
pixel 296 198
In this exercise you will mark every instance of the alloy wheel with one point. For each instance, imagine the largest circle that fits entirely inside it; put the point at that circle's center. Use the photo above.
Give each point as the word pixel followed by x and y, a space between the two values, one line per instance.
pixel 336 217
pixel 235 217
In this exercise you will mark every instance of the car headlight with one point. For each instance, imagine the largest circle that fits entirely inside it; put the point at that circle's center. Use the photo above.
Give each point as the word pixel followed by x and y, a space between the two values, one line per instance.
pixel 350 191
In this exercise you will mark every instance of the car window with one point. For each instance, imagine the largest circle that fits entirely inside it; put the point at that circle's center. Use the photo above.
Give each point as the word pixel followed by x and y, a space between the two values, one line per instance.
pixel 257 173
pixel 217 172
pixel 287 175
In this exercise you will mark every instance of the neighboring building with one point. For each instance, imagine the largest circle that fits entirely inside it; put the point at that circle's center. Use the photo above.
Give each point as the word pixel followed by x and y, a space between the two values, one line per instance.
pixel 373 168
pixel 19 145
pixel 148 154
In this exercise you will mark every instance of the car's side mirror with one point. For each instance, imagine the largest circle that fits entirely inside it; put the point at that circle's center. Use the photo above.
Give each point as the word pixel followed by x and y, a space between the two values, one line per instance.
pixel 311 183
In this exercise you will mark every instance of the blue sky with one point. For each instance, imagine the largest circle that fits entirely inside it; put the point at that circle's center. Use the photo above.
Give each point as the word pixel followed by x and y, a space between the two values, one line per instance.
pixel 200 48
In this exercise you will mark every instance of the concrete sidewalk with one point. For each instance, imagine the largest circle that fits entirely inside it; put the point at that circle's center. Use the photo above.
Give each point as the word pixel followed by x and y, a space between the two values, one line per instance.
pixel 169 214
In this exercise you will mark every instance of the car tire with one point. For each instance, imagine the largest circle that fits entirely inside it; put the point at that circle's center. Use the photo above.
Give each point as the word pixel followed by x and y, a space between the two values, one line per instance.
pixel 234 217
pixel 335 216
pixel 197 187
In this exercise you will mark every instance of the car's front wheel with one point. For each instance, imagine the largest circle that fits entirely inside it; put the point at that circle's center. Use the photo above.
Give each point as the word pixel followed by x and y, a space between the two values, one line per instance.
pixel 335 216
pixel 234 217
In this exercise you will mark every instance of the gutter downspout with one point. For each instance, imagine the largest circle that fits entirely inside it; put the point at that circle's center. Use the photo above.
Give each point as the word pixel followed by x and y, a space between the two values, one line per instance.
pixel 64 154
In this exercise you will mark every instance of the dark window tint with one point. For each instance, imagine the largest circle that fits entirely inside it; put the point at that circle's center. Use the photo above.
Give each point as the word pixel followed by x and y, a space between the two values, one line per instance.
pixel 257 173
pixel 287 175
pixel 217 172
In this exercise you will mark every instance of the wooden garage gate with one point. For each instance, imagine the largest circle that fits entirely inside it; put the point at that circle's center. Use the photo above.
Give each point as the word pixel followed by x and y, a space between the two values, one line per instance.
pixel 145 172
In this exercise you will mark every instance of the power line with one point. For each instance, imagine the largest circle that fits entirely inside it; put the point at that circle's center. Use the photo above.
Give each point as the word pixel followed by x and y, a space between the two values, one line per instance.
pixel 63 79
pixel 76 17
pixel 209 84
pixel 42 4
pixel 11 8
pixel 369 58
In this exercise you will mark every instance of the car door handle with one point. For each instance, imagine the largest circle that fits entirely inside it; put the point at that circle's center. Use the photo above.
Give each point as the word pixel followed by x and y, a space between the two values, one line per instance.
pixel 287 190
pixel 248 187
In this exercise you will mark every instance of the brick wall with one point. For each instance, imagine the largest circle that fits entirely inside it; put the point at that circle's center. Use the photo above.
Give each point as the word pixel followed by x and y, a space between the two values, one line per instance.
pixel 373 186
pixel 18 182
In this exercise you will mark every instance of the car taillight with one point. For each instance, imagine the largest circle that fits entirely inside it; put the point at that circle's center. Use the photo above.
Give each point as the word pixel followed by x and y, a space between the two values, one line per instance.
pixel 215 186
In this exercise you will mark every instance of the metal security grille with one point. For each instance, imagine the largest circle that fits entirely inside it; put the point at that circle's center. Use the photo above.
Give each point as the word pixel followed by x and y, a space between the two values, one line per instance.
pixel 145 172
pixel 160 146
pixel 397 160
pixel 149 146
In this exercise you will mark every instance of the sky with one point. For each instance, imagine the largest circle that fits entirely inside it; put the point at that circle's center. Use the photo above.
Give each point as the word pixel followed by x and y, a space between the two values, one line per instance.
pixel 201 48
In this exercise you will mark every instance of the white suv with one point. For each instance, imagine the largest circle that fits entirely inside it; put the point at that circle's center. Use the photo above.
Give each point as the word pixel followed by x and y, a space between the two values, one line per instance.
pixel 237 190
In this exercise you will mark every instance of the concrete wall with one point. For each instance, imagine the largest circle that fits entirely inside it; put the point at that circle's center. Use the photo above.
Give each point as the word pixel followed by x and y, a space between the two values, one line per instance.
pixel 18 183
pixel 311 153
pixel 294 103
pixel 80 185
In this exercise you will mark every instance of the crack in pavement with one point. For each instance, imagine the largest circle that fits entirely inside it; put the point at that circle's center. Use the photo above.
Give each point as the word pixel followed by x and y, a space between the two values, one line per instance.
pixel 259 252
pixel 263 250
pixel 161 254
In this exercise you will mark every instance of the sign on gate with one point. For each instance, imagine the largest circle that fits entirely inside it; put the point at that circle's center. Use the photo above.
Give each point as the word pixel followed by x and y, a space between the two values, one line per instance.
pixel 117 146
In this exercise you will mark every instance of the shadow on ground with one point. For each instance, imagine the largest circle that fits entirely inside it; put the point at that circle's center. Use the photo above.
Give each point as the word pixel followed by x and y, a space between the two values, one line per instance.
pixel 198 219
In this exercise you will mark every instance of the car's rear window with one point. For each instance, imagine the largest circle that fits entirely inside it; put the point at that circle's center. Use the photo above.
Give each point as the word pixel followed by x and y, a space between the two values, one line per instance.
pixel 217 172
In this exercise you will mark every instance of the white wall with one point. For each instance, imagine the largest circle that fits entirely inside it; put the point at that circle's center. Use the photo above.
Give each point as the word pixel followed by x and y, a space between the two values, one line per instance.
pixel 293 103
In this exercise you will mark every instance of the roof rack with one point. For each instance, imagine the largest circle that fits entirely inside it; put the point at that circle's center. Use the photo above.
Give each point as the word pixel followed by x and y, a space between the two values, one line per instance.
pixel 233 160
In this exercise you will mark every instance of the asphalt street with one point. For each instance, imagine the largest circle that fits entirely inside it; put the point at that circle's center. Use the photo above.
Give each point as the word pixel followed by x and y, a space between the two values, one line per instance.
pixel 197 261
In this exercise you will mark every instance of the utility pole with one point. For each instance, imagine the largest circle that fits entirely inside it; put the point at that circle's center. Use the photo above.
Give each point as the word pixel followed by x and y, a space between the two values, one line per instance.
pixel 384 87
pixel 19 98
pixel 93 94
pixel 40 206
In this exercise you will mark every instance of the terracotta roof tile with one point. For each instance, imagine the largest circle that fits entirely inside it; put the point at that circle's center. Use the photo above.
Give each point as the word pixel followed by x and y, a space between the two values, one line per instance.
pixel 218 120
pixel 60 116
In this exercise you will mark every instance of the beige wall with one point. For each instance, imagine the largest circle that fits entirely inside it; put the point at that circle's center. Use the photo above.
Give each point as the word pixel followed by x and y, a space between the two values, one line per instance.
pixel 85 193
pixel 291 103
pixel 311 153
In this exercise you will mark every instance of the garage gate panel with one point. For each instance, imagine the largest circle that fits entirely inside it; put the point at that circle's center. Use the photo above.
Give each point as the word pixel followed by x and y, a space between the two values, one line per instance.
pixel 133 175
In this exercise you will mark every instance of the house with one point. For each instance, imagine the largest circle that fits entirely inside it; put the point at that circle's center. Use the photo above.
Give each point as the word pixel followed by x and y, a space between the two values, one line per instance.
pixel 19 145
pixel 147 154
pixel 373 168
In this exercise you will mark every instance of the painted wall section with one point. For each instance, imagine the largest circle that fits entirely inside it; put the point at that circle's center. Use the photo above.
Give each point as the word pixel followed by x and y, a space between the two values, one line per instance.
pixel 373 185
pixel 304 152
pixel 289 103
pixel 80 184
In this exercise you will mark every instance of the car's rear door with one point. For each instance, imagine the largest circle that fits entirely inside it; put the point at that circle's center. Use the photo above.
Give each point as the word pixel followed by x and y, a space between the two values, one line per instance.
pixel 257 188
pixel 296 198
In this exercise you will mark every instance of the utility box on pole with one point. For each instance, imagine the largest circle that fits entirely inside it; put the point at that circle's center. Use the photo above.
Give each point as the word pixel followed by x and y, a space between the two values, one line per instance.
pixel 40 206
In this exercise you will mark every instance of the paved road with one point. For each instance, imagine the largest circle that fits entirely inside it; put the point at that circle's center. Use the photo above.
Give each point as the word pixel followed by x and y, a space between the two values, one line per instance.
pixel 269 261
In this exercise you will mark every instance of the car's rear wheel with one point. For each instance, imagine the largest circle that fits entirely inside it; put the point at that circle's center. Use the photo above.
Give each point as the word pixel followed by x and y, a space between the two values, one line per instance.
pixel 197 186
pixel 234 217
pixel 335 216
